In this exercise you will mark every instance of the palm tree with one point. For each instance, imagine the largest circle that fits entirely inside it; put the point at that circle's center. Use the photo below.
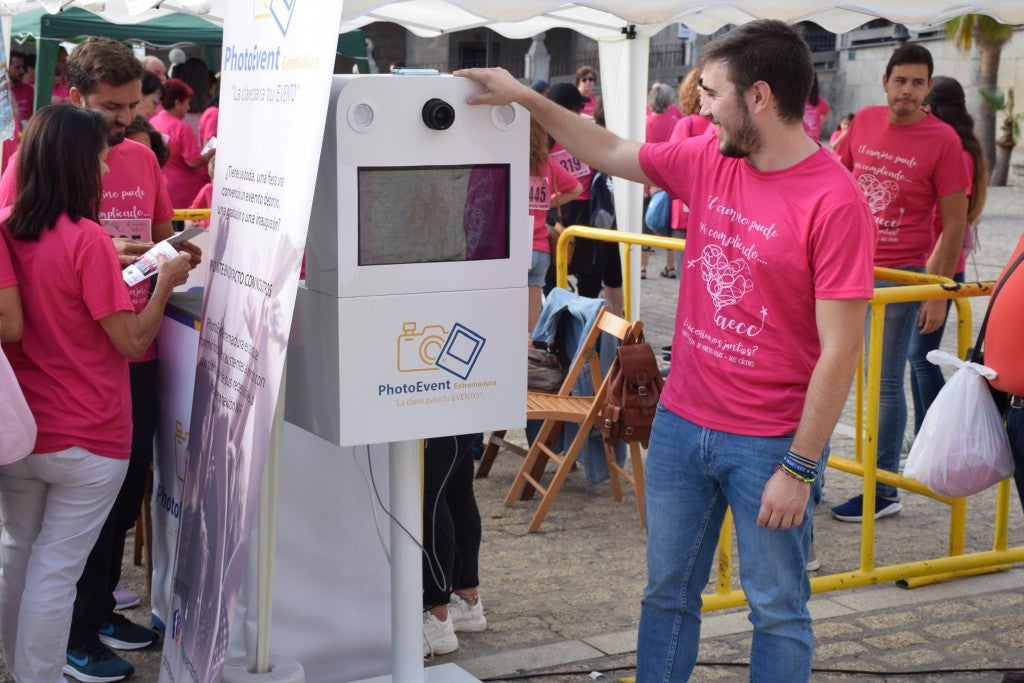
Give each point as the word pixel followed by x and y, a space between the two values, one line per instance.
pixel 1010 132
pixel 990 36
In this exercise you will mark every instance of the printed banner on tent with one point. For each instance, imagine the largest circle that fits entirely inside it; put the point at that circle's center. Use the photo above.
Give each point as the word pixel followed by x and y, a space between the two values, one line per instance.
pixel 276 70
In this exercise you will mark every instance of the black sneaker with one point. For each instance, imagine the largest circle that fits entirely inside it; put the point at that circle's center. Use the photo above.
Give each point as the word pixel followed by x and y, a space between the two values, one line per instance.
pixel 94 663
pixel 123 634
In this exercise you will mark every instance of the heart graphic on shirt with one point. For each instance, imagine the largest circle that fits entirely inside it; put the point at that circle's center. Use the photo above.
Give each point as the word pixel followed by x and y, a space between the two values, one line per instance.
pixel 879 193
pixel 727 281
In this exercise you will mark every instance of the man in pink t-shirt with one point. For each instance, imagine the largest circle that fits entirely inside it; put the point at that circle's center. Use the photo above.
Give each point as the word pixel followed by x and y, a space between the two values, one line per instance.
pixel 773 293
pixel 22 92
pixel 135 211
pixel 907 162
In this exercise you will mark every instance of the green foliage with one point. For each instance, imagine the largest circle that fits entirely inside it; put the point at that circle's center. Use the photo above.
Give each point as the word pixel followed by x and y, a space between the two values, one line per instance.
pixel 1000 102
pixel 964 30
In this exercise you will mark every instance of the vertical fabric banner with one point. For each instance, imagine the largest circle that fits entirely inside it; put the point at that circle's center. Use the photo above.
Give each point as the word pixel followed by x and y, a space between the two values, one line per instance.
pixel 275 82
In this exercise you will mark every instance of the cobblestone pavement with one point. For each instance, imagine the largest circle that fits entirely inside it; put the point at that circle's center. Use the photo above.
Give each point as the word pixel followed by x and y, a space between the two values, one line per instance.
pixel 564 602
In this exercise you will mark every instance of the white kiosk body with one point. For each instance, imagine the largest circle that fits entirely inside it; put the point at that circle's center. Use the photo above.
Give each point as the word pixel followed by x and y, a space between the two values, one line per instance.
pixel 412 320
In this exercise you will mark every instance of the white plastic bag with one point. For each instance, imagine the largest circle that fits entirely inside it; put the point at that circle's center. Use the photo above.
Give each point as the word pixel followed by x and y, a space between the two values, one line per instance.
pixel 962 447
pixel 17 426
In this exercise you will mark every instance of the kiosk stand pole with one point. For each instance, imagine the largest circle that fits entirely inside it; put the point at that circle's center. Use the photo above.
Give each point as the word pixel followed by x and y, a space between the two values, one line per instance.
pixel 405 492
pixel 404 458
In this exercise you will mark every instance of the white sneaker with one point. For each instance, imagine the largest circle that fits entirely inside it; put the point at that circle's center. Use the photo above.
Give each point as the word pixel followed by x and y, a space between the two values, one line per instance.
pixel 438 636
pixel 466 617
pixel 124 598
pixel 813 563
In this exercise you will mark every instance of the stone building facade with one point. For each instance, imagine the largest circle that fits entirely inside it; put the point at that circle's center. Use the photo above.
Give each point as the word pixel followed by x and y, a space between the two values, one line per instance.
pixel 850 66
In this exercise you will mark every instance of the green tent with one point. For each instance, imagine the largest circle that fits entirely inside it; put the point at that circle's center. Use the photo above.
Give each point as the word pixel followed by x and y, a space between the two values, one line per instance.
pixel 74 24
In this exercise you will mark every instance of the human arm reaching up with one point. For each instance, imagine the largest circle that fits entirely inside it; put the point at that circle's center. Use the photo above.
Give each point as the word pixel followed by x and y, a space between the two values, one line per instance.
pixel 587 141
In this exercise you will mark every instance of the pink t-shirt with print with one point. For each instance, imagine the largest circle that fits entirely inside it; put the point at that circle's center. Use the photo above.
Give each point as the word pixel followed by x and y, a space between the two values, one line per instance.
pixel 758 256
pixel 134 198
pixel 74 380
pixel 540 201
pixel 903 171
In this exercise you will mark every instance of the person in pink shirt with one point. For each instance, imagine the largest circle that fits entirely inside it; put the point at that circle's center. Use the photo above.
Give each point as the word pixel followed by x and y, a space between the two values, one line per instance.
pixel 61 92
pixel 550 187
pixel 660 124
pixel 208 121
pixel 22 92
pixel 585 79
pixel 135 211
pixel 816 110
pixel 771 307
pixel 185 171
pixel 947 102
pixel 80 328
pixel 907 162
pixel 692 124
pixel 152 95
pixel 203 200
pixel 11 318
pixel 597 266
pixel 842 128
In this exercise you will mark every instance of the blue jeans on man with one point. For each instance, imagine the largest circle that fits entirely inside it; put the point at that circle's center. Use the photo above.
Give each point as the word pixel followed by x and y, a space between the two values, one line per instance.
pixel 692 475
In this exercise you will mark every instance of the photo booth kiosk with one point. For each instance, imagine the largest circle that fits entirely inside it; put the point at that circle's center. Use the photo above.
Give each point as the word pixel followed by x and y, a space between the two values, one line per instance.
pixel 413 313
pixel 411 321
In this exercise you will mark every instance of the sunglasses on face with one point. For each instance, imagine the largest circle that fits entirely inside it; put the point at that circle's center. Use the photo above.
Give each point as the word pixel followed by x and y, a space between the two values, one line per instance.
pixel 588 78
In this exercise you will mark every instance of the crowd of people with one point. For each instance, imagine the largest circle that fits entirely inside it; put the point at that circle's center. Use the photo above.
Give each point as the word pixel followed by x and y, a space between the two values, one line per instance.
pixel 86 362
pixel 753 436
pixel 740 136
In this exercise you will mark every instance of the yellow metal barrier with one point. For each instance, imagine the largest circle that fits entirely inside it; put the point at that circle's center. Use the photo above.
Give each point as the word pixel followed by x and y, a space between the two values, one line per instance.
pixel 913 287
pixel 191 215
pixel 604 235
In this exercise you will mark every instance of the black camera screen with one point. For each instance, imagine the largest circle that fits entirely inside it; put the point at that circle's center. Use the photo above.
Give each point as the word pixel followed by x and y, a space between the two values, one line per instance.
pixel 432 214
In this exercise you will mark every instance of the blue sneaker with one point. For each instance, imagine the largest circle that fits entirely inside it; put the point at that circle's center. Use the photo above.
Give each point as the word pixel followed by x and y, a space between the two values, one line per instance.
pixel 122 634
pixel 94 663
pixel 853 509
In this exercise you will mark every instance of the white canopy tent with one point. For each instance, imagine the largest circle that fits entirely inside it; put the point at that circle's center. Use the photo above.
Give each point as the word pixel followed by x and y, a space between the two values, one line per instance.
pixel 621 28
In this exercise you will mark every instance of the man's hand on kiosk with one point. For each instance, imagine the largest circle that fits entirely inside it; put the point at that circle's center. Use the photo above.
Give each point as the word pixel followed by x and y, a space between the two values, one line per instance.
pixel 501 86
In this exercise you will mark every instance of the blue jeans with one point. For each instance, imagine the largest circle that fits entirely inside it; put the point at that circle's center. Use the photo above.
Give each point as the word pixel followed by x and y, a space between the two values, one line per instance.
pixel 900 328
pixel 692 474
pixel 926 378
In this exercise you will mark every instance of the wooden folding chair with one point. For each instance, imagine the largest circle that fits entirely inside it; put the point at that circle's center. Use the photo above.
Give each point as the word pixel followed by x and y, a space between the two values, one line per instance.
pixel 561 408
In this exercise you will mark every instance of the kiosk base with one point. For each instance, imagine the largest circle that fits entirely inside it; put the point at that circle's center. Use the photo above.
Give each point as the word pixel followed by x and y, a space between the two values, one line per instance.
pixel 445 673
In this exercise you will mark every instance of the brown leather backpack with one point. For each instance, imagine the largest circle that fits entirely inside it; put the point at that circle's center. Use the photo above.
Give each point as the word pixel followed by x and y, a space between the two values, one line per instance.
pixel 634 388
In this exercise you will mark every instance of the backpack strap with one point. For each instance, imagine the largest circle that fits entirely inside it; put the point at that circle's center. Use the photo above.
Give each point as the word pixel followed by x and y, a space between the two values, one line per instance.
pixel 976 352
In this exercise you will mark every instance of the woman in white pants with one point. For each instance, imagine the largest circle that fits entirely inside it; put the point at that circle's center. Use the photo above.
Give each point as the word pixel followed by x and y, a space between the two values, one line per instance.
pixel 79 330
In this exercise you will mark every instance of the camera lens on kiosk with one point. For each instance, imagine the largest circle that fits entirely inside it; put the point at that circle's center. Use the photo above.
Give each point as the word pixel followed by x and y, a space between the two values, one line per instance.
pixel 438 114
